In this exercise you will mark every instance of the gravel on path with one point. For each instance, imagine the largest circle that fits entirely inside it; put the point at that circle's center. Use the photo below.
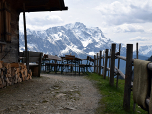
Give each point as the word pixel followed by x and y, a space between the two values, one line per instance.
pixel 50 94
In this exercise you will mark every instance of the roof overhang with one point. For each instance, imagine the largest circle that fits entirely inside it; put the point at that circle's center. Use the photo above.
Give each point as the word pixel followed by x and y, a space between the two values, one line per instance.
pixel 37 5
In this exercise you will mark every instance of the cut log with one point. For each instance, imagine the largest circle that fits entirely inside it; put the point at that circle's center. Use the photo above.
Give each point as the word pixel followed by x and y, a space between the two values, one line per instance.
pixel 11 73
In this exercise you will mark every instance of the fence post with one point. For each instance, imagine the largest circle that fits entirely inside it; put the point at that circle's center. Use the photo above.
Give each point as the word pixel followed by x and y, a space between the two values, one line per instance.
pixel 134 106
pixel 97 64
pixel 105 66
pixel 100 63
pixel 136 50
pixel 118 67
pixel 128 76
pixel 94 63
pixel 113 48
pixel 103 63
pixel 109 63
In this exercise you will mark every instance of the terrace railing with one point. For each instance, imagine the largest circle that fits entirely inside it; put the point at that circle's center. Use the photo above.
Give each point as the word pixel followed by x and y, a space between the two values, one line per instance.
pixel 115 71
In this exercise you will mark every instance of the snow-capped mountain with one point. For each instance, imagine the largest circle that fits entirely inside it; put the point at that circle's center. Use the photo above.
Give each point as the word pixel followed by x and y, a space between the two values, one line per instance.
pixel 61 40
pixel 75 38
pixel 146 50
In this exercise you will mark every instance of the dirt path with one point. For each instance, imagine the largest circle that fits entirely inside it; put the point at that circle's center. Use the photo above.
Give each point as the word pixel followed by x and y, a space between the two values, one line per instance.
pixel 50 94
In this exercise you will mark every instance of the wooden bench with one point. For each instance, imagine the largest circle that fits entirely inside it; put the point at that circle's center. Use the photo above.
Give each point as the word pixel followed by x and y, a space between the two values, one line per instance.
pixel 35 59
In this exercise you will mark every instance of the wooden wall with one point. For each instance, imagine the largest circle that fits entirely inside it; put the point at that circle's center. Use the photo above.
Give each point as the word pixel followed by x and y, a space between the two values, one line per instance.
pixel 9 33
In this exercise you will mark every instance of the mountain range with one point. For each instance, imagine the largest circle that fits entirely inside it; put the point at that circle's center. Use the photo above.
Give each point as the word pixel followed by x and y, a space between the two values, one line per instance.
pixel 76 39
pixel 72 38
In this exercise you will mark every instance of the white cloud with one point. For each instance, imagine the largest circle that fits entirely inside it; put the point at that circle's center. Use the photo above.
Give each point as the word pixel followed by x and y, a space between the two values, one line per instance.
pixel 149 31
pixel 118 13
pixel 128 28
pixel 40 20
pixel 140 39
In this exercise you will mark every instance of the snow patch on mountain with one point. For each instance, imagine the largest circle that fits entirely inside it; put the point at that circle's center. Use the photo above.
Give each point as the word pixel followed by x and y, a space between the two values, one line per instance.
pixel 146 50
pixel 73 38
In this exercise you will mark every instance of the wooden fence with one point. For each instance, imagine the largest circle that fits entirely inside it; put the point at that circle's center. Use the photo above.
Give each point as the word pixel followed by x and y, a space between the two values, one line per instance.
pixel 115 71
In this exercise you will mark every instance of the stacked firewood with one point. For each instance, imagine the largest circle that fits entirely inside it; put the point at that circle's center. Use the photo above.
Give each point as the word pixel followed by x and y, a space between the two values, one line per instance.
pixel 11 73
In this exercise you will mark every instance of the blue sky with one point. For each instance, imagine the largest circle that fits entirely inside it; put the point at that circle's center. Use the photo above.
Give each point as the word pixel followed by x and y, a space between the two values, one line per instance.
pixel 123 21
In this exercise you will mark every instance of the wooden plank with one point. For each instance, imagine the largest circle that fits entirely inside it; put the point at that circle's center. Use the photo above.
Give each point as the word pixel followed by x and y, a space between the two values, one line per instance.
pixel 121 57
pixel 7 21
pixel 0 20
pixel 4 20
pixel 118 67
pixel 100 62
pixel 94 63
pixel 150 66
pixel 105 66
pixel 52 57
pixel 25 39
pixel 34 54
pixel 1 65
pixel 97 63
pixel 109 63
pixel 15 65
pixel 134 105
pixel 31 59
pixel 136 50
pixel 21 54
pixel 120 73
pixel 103 63
pixel 128 76
pixel 113 48
pixel 40 60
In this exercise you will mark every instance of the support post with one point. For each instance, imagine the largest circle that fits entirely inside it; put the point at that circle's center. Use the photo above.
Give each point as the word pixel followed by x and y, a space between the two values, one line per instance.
pixel 109 64
pixel 118 66
pixel 25 38
pixel 103 63
pixel 40 60
pixel 113 48
pixel 134 106
pixel 97 64
pixel 128 76
pixel 136 50
pixel 105 66
pixel 100 63
pixel 94 63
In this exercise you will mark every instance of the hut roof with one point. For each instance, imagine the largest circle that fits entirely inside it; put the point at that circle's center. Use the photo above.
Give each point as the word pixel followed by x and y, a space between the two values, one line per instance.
pixel 37 5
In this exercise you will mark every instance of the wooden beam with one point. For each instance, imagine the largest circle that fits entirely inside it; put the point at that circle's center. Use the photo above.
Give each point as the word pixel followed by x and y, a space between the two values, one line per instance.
pixel 97 64
pixel 136 50
pixel 94 63
pixel 128 76
pixel 113 48
pixel 100 63
pixel 134 105
pixel 25 38
pixel 120 73
pixel 105 66
pixel 118 66
pixel 103 63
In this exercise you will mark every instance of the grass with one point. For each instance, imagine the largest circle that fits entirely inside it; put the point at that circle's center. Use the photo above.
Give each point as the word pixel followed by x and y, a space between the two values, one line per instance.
pixel 112 98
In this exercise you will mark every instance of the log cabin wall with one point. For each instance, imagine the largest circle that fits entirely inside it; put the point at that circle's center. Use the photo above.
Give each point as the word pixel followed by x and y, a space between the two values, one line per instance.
pixel 9 32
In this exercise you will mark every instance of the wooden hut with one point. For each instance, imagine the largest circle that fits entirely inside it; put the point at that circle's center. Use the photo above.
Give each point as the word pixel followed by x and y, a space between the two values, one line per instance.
pixel 9 22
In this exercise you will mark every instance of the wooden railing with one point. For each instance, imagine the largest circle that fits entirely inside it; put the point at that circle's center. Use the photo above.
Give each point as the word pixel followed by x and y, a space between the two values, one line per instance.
pixel 116 71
